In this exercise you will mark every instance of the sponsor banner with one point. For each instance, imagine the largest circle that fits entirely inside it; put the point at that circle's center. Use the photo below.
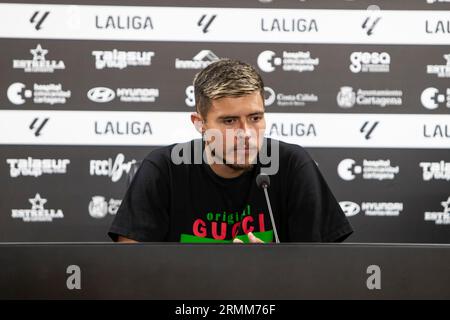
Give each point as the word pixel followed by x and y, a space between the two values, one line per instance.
pixel 50 94
pixel 371 62
pixel 33 167
pixel 105 94
pixel 162 128
pixel 114 168
pixel 37 212
pixel 349 97
pixel 140 23
pixel 435 170
pixel 373 209
pixel 433 98
pixel 441 217
pixel 200 61
pixel 100 207
pixel 120 59
pixel 297 61
pixel 39 63
pixel 382 169
pixel 440 70
pixel 289 98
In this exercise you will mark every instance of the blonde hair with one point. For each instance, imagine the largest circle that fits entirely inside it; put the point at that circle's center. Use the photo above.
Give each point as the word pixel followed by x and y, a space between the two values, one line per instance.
pixel 225 78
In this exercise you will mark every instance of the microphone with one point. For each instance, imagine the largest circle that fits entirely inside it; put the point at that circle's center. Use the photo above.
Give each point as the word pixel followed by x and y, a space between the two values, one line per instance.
pixel 263 181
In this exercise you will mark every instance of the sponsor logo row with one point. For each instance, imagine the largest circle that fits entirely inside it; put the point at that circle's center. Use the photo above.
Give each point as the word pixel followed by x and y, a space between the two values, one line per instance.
pixel 395 209
pixel 51 94
pixel 117 167
pixel 100 207
pixel 267 61
pixel 114 168
pixel 347 97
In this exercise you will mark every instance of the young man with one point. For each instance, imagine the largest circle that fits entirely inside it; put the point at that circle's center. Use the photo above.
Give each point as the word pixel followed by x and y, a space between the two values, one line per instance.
pixel 205 190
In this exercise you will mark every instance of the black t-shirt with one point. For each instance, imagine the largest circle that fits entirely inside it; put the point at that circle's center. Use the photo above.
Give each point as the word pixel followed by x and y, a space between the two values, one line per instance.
pixel 190 203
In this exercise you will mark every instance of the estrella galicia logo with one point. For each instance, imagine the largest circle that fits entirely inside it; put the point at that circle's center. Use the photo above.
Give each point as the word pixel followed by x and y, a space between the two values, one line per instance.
pixel 205 22
pixel 38 19
pixel 37 125
pixel 369 24
pixel 368 128
pixel 101 94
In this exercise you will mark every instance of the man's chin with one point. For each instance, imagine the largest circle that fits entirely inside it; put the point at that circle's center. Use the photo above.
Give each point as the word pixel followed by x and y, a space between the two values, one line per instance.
pixel 240 167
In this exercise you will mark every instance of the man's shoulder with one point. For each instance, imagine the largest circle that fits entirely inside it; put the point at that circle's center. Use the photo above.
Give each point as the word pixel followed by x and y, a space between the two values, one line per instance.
pixel 159 154
pixel 165 155
pixel 290 153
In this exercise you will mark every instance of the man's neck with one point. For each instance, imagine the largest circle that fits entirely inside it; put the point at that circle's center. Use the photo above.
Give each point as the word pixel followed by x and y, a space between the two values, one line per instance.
pixel 222 170
pixel 225 171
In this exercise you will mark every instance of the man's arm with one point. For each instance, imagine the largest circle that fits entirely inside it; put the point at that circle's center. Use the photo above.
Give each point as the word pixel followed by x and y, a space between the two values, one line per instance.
pixel 125 240
pixel 315 214
pixel 143 213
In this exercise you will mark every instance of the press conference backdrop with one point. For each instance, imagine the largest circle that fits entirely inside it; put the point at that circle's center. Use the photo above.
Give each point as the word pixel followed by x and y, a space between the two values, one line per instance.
pixel 88 90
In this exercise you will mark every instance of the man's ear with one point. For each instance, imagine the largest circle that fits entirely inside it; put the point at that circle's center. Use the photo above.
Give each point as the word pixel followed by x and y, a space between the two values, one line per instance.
pixel 197 120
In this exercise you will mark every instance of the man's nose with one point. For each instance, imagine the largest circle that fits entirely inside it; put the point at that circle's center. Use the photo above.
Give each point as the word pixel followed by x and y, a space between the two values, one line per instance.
pixel 244 130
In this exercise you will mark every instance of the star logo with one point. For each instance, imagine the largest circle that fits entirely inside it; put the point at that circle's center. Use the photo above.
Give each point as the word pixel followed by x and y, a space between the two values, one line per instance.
pixel 38 53
pixel 446 205
pixel 37 202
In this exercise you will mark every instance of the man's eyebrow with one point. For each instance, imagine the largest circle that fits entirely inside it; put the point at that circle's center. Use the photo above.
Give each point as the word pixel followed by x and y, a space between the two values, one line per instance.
pixel 227 117
pixel 237 117
pixel 259 113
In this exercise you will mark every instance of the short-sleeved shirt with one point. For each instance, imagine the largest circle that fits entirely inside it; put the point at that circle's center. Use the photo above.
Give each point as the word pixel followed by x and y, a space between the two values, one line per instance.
pixel 189 202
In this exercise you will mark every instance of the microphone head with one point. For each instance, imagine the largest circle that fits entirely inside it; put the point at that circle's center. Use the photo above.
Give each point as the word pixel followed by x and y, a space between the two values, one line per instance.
pixel 263 180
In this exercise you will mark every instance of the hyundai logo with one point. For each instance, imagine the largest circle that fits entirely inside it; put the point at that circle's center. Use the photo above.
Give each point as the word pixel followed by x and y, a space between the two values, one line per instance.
pixel 101 94
pixel 350 208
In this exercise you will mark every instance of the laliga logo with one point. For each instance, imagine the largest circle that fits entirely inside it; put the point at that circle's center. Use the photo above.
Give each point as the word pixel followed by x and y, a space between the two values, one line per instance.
pixel 350 208
pixel 264 61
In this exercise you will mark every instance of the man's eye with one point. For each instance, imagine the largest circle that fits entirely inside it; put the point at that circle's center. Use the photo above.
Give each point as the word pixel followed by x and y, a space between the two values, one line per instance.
pixel 256 118
pixel 229 121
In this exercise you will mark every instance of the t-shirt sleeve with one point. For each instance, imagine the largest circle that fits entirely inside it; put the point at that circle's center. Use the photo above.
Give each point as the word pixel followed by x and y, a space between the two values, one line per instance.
pixel 314 213
pixel 143 213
